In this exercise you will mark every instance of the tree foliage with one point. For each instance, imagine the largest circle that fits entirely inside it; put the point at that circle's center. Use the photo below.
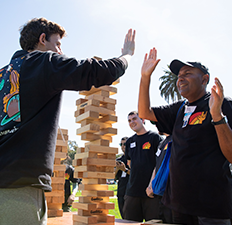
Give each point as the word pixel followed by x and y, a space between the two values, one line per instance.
pixel 72 149
pixel 168 88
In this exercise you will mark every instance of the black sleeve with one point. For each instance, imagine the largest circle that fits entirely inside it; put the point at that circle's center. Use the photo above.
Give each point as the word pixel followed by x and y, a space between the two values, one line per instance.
pixel 127 150
pixel 166 116
pixel 227 110
pixel 71 178
pixel 71 74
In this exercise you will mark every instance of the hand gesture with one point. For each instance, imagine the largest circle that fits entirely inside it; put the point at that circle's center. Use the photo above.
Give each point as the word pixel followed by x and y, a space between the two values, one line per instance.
pixel 149 192
pixel 149 63
pixel 129 43
pixel 71 199
pixel 120 166
pixel 216 100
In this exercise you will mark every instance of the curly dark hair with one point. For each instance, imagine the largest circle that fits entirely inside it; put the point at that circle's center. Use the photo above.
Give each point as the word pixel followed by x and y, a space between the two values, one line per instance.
pixel 31 31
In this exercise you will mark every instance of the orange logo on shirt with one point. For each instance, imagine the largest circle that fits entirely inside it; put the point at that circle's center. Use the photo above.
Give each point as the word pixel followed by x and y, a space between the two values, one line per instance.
pixel 147 145
pixel 197 118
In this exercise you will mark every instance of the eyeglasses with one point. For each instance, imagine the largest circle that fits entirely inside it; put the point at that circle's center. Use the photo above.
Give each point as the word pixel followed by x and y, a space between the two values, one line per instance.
pixel 121 144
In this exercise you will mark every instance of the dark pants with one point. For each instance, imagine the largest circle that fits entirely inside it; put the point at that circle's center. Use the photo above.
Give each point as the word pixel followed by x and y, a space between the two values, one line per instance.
pixel 137 209
pixel 185 219
pixel 165 214
pixel 120 205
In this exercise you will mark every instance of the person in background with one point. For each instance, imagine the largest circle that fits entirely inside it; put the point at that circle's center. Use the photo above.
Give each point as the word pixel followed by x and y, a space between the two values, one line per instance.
pixel 164 212
pixel 122 173
pixel 140 152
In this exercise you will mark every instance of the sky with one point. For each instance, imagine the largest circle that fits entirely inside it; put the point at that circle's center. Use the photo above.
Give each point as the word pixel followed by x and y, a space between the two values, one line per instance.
pixel 197 30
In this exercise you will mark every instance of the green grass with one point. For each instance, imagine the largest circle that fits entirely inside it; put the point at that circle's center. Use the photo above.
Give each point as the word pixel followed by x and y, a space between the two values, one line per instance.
pixel 115 212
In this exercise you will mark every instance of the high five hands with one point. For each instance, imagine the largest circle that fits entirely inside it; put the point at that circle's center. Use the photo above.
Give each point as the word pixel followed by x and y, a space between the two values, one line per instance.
pixel 150 62
pixel 129 43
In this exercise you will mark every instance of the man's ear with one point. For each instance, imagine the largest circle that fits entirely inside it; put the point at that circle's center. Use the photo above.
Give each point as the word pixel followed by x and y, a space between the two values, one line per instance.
pixel 42 39
pixel 205 79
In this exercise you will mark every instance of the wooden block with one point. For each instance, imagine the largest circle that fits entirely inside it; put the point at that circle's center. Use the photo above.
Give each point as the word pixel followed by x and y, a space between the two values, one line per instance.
pixel 55 213
pixel 77 162
pixel 55 193
pixel 93 90
pixel 108 106
pixel 98 193
pixel 59 168
pixel 102 125
pixel 85 168
pixel 96 187
pixel 62 148
pixel 108 131
pixel 93 102
pixel 106 218
pixel 106 205
pixel 56 180
pixel 60 155
pixel 101 142
pixel 97 58
pixel 101 223
pixel 116 82
pixel 96 199
pixel 91 174
pixel 85 219
pixel 100 110
pixel 91 115
pixel 103 93
pixel 57 199
pixel 79 112
pixel 101 149
pixel 78 174
pixel 90 137
pixel 61 137
pixel 90 181
pixel 61 143
pixel 108 119
pixel 57 161
pixel 84 206
pixel 81 101
pixel 102 99
pixel 92 212
pixel 90 128
pixel 58 187
pixel 98 162
pixel 55 206
pixel 80 150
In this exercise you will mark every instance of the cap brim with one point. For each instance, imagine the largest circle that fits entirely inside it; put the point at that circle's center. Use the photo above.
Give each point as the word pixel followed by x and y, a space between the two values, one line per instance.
pixel 176 65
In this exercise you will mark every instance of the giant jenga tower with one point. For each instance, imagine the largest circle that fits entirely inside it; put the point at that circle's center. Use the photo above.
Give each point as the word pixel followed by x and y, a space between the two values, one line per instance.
pixel 55 198
pixel 95 162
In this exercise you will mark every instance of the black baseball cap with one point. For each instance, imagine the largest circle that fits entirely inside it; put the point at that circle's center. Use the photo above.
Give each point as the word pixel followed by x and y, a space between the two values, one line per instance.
pixel 176 65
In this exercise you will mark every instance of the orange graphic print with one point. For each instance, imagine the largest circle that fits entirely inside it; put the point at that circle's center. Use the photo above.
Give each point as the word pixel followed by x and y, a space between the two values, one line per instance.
pixel 67 176
pixel 147 145
pixel 197 118
pixel 166 146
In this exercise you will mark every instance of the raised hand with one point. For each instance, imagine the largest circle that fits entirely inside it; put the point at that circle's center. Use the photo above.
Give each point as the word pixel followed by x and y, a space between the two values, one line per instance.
pixel 129 43
pixel 150 62
pixel 216 100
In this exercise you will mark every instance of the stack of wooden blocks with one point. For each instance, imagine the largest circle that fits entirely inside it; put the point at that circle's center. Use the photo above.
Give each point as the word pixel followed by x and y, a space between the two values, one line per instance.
pixel 55 198
pixel 95 162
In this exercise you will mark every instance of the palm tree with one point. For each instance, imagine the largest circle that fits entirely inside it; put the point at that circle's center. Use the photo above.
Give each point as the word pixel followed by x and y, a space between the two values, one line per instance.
pixel 168 88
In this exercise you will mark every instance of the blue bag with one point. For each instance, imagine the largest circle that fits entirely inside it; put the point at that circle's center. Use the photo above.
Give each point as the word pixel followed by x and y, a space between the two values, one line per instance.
pixel 160 181
pixel 161 177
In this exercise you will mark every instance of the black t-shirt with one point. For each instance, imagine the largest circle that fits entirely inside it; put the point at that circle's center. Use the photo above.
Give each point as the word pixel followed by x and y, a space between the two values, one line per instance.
pixel 200 178
pixel 69 177
pixel 141 149
pixel 122 180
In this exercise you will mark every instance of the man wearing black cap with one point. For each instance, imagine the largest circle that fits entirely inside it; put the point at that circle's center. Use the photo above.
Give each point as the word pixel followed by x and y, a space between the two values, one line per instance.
pixel 199 186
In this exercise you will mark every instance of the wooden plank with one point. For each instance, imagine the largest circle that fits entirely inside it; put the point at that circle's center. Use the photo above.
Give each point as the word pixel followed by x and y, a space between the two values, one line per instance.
pixel 101 149
pixel 81 101
pixel 87 115
pixel 60 137
pixel 98 162
pixel 85 219
pixel 98 223
pixel 93 212
pixel 98 187
pixel 106 205
pixel 92 137
pixel 108 131
pixel 56 206
pixel 55 213
pixel 102 125
pixel 100 110
pixel 110 89
pixel 60 154
pixel 101 142
pixel 102 99
pixel 91 174
pixel 96 199
pixel 98 193
pixel 90 128
pixel 55 193
pixel 84 206
pixel 64 131
pixel 107 218
pixel 108 119
pixel 59 168
pixel 61 143
pixel 93 102
pixel 56 180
